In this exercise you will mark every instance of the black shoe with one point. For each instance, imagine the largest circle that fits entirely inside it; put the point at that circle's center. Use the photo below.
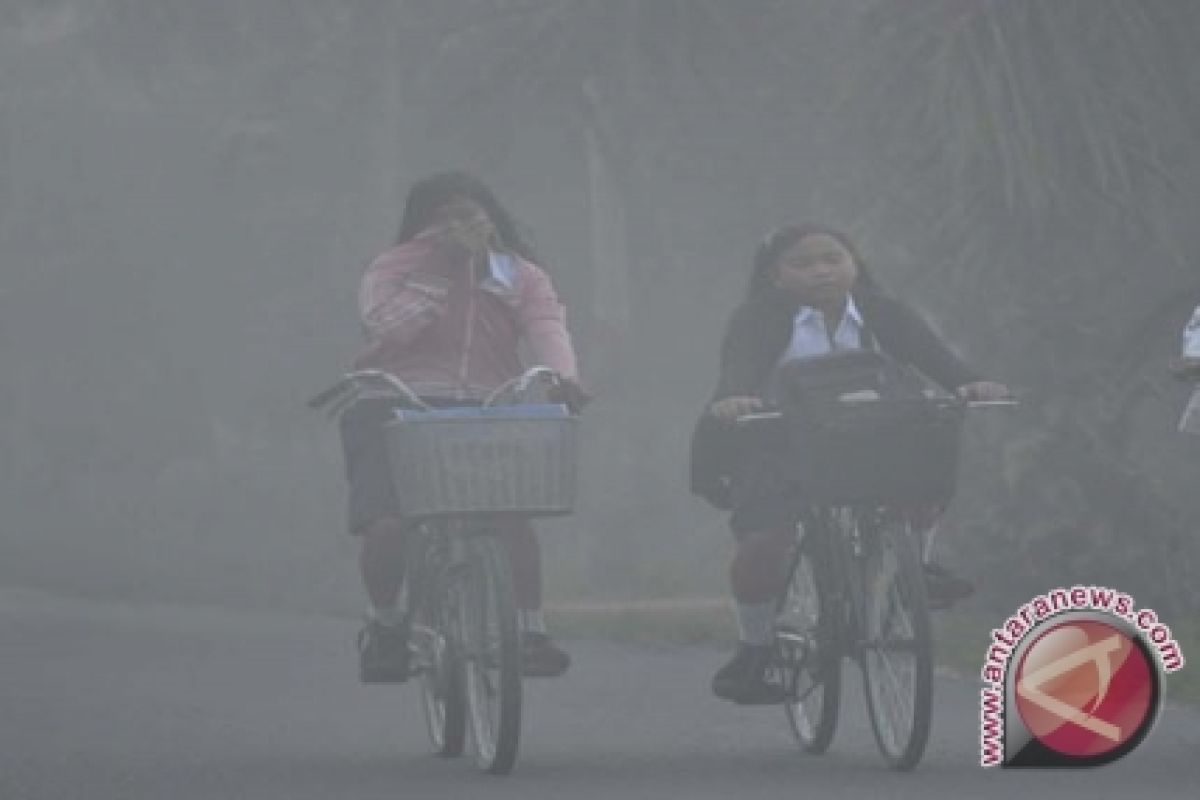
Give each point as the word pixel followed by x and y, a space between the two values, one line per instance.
pixel 745 678
pixel 382 653
pixel 943 587
pixel 541 657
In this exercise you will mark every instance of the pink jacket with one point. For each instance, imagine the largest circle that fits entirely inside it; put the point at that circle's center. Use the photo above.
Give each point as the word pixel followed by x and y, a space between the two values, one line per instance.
pixel 427 324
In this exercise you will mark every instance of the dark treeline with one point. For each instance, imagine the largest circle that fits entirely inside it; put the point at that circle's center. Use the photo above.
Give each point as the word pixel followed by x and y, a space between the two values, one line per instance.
pixel 189 191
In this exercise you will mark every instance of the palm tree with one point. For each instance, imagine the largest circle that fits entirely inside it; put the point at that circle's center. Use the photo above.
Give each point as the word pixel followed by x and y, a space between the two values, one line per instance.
pixel 1037 157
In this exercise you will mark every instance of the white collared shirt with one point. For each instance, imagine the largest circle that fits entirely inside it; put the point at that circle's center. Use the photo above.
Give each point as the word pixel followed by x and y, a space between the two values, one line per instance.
pixel 811 337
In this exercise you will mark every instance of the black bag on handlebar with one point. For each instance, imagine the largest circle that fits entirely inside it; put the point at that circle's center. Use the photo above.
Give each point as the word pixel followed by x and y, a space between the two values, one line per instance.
pixel 831 376
pixel 863 431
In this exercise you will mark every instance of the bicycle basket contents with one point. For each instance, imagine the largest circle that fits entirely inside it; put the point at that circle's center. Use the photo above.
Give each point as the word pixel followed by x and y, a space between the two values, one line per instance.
pixel 864 432
pixel 516 460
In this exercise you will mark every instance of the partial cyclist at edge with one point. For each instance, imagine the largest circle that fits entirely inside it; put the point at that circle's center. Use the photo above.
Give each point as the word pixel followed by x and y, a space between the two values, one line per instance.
pixel 448 310
pixel 1187 368
pixel 810 294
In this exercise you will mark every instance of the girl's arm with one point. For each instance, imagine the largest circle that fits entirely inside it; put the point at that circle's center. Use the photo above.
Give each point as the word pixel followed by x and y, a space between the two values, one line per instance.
pixel 736 395
pixel 543 322
pixel 738 377
pixel 911 339
pixel 398 299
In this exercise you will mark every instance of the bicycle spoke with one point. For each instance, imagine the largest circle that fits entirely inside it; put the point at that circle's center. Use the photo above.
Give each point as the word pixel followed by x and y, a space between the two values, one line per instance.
pixel 897 648
pixel 812 683
pixel 899 700
pixel 493 680
pixel 441 690
pixel 896 692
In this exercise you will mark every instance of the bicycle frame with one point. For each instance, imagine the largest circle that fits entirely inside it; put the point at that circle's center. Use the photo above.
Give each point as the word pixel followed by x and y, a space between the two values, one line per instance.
pixel 435 555
pixel 846 533
pixel 432 557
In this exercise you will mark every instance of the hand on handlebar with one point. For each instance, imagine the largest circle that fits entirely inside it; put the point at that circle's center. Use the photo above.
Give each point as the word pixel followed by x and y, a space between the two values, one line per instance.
pixel 569 393
pixel 730 408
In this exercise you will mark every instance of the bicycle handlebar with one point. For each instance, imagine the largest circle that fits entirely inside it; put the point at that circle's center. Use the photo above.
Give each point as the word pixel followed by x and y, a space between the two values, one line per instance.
pixel 945 402
pixel 351 385
pixel 520 384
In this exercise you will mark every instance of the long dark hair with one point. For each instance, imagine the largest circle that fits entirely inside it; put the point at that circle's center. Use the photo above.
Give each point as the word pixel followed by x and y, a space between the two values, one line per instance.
pixel 779 241
pixel 429 194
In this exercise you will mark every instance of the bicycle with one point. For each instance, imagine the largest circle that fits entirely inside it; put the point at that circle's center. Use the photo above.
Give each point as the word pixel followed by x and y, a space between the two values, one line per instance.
pixel 460 474
pixel 855 585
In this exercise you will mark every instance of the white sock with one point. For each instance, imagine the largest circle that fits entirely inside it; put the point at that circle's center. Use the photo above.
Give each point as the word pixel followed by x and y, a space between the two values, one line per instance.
pixel 385 616
pixel 531 621
pixel 926 538
pixel 756 623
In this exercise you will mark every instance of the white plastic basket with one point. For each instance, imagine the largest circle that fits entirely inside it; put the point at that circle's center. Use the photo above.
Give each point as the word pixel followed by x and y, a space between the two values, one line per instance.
pixel 516 460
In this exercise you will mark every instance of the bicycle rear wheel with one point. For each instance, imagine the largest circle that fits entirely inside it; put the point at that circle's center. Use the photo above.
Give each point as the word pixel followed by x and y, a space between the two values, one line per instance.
pixel 437 662
pixel 897 646
pixel 806 636
pixel 492 656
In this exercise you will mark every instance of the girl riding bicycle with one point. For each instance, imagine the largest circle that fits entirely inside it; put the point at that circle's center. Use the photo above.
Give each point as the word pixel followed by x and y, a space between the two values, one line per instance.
pixel 810 294
pixel 447 310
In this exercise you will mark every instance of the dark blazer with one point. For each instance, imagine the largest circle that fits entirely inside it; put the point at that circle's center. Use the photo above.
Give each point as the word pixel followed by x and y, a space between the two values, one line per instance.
pixel 756 338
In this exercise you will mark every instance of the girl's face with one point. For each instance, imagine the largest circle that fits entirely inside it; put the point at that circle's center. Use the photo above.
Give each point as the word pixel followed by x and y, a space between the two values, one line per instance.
pixel 816 271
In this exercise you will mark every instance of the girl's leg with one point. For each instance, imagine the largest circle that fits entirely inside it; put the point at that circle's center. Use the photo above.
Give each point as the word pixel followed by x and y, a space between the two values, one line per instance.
pixel 383 643
pixel 764 525
pixel 541 657
pixel 942 585
pixel 372 505
pixel 382 564
pixel 525 555
pixel 757 576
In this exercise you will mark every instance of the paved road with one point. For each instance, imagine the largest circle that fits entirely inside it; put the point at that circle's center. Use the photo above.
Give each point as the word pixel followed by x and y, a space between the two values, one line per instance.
pixel 103 702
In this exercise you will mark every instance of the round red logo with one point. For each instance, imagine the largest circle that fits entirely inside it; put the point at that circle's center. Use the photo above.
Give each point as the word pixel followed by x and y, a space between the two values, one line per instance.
pixel 1087 689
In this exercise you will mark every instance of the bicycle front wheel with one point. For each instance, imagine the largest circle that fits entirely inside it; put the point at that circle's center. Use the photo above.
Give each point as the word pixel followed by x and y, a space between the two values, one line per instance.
pixel 809 650
pixel 897 645
pixel 438 664
pixel 491 656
